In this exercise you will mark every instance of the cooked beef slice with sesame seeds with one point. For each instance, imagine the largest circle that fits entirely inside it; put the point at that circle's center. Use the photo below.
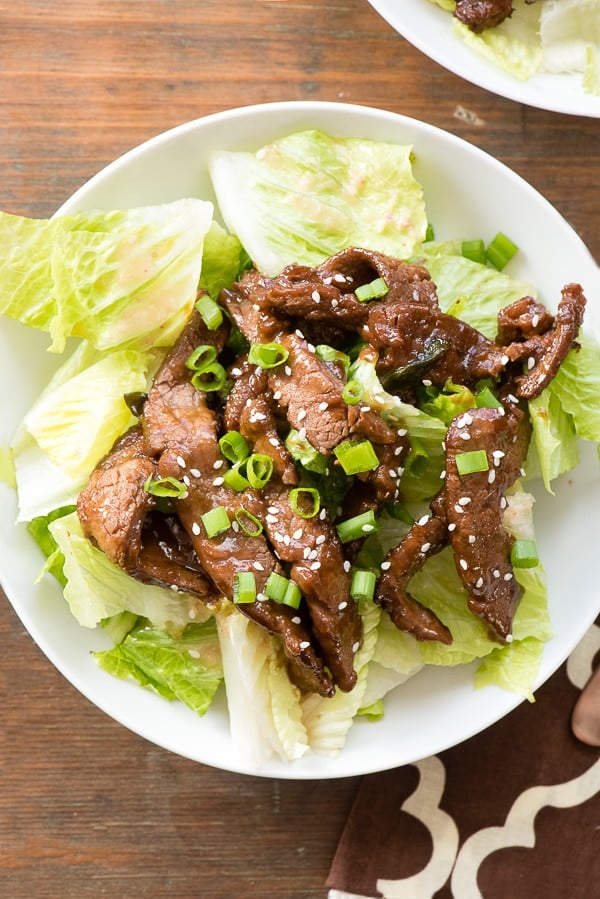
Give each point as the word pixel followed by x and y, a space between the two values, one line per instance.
pixel 426 537
pixel 408 320
pixel 244 301
pixel 481 14
pixel 249 410
pixel 521 320
pixel 313 551
pixel 548 350
pixel 167 557
pixel 474 508
pixel 113 505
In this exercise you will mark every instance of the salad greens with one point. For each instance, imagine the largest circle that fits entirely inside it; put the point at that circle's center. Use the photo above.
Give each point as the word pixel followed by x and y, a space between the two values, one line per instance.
pixel 113 291
pixel 547 36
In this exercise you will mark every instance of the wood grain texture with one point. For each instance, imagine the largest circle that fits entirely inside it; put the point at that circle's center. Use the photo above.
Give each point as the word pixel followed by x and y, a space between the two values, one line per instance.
pixel 86 808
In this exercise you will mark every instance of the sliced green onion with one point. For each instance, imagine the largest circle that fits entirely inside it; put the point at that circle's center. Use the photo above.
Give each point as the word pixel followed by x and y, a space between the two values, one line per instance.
pixel 235 479
pixel 357 527
pixel 212 377
pixel 474 250
pixel 429 232
pixel 165 487
pixel 244 587
pixel 472 462
pixel 485 398
pixel 500 251
pixel 352 392
pixel 215 521
pixel 293 595
pixel 355 457
pixel 249 523
pixel 210 312
pixel 201 357
pixel 305 501
pixel 362 585
pixel 267 355
pixel 259 469
pixel 276 587
pixel 304 453
pixel 372 291
pixel 234 446
pixel 524 554
pixel 330 354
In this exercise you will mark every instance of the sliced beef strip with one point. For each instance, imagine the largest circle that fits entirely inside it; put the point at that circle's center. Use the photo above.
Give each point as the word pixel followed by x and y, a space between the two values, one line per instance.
pixel 310 391
pixel 179 426
pixel 521 320
pixel 474 509
pixel 249 410
pixel 167 557
pixel 548 350
pixel 312 549
pixel 482 14
pixel 427 536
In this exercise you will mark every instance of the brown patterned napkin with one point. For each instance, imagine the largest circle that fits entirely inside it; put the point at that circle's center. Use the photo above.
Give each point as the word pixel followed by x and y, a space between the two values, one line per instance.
pixel 513 813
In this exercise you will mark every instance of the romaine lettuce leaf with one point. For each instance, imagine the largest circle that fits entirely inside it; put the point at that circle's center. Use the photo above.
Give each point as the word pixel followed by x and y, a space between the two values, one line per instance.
pixel 122 277
pixel 308 195
pixel 96 588
pixel 186 667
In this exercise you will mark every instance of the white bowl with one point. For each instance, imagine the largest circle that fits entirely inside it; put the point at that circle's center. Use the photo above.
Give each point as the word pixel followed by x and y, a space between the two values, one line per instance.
pixel 468 193
pixel 429 28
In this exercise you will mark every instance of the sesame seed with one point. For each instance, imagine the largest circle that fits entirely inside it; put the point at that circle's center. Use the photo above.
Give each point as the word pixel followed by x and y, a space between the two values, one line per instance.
pixel 236 372
pixel 296 619
pixel 426 547
pixel 320 539
pixel 180 461
pixel 261 597
pixel 512 398
pixel 195 528
pixel 343 605
pixel 277 394
pixel 479 583
pixel 195 472
pixel 297 534
pixel 174 588
pixel 442 475
pixel 316 296
pixel 186 480
pixel 496 573
pixel 218 481
pixel 508 576
pixel 522 472
pixel 313 554
pixel 339 278
pixel 305 644
pixel 315 566
pixel 287 370
pixel 427 382
pixel 463 564
pixel 271 519
pixel 535 320
pixel 365 408
pixel 301 414
pixel 385 566
pixel 451 527
pixel 530 363
pixel 423 520
pixel 322 514
pixel 218 464
pixel 260 416
pixel 464 501
pixel 311 347
pixel 194 653
pixel 398 450
pixel 464 435
pixel 286 539
pixel 472 538
pixel 347 566
pixel 235 526
pixel 327 280
pixel 307 552
pixel 505 360
pixel 355 646
pixel 273 510
pixel 459 509
pixel 509 638
pixel 302 433
pixel 367 528
pixel 392 473
pixel 334 302
pixel 273 441
pixel 258 566
pixel 491 476
pixel 503 502
pixel 402 432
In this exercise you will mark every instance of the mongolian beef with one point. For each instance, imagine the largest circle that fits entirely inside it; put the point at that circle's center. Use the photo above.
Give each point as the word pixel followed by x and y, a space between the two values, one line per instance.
pixel 482 14
pixel 271 377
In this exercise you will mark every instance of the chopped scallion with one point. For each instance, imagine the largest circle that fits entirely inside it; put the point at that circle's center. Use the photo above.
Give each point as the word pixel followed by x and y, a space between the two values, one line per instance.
pixel 165 487
pixel 355 457
pixel 235 478
pixel 259 469
pixel 276 587
pixel 267 355
pixel 216 521
pixel 244 587
pixel 524 554
pixel 249 523
pixel 371 291
pixel 201 357
pixel 212 377
pixel 357 527
pixel 293 595
pixel 472 462
pixel 363 583
pixel 210 312
pixel 305 501
pixel 234 446
pixel 352 392
pixel 474 250
pixel 500 251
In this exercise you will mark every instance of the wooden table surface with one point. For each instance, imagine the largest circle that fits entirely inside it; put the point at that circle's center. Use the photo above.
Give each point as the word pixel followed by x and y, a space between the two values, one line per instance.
pixel 88 809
